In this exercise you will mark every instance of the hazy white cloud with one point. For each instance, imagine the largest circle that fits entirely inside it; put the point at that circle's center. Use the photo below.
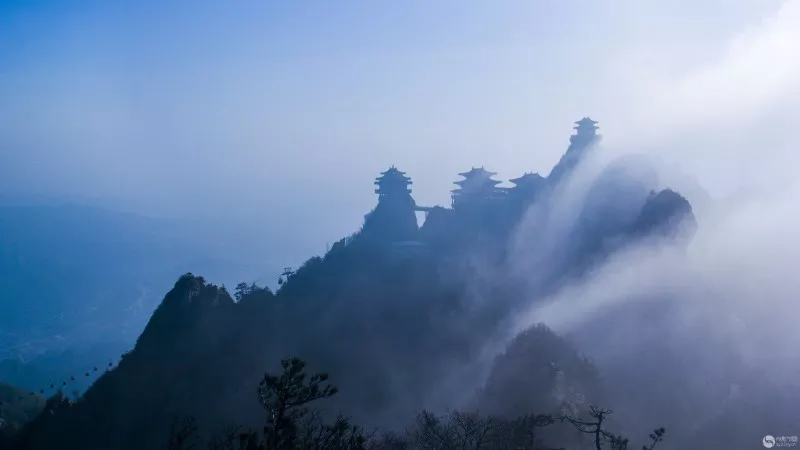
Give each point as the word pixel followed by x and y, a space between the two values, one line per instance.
pixel 757 70
pixel 735 284
pixel 252 121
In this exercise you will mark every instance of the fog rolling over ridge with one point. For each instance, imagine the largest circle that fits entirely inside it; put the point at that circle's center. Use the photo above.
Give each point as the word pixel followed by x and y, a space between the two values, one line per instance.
pixel 712 322
pixel 728 303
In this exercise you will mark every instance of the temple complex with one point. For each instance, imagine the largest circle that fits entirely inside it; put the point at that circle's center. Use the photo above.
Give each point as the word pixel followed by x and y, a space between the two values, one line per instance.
pixel 487 206
pixel 476 188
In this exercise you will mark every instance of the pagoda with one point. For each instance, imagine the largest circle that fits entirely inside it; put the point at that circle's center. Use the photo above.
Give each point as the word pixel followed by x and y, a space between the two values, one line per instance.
pixel 476 187
pixel 528 181
pixel 526 188
pixel 394 218
pixel 585 137
pixel 585 132
pixel 392 184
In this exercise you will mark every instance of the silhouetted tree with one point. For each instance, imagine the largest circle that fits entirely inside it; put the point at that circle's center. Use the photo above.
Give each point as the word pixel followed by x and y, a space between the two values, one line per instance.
pixel 291 423
pixel 182 434
pixel 594 427
pixel 225 441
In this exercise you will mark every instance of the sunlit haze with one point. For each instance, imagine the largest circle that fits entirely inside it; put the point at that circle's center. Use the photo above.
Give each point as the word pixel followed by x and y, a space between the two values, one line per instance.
pixel 285 112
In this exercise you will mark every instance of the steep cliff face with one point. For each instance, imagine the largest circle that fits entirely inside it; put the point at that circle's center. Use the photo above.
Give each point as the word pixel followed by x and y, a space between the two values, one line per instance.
pixel 392 220
pixel 665 214
pixel 616 208
pixel 623 208
pixel 612 204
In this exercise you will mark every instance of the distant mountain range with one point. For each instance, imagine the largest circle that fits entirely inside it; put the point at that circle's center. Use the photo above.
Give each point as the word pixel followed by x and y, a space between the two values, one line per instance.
pixel 85 279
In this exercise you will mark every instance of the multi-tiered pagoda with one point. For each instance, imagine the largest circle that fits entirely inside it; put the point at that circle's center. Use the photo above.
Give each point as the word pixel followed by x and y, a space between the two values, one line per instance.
pixel 394 218
pixel 476 188
pixel 393 184
pixel 585 132
pixel 584 138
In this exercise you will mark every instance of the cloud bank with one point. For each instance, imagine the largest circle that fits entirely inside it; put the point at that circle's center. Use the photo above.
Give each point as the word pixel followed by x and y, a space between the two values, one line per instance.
pixel 728 303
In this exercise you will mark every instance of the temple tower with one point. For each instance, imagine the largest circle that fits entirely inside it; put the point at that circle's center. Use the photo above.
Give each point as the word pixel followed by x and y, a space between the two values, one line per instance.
pixel 393 184
pixel 585 132
pixel 394 218
pixel 584 138
pixel 476 188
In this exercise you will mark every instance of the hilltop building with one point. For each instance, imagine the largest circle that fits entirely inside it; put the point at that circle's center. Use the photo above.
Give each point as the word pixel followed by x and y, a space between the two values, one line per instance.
pixel 478 204
pixel 585 132
pixel 527 185
pixel 394 218
pixel 584 138
pixel 476 189
pixel 393 185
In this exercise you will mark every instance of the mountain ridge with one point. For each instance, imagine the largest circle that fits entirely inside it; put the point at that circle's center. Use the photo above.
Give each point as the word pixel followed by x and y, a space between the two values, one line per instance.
pixel 390 321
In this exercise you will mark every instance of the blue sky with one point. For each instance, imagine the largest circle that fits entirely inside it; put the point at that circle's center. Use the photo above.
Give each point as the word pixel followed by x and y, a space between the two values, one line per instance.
pixel 283 112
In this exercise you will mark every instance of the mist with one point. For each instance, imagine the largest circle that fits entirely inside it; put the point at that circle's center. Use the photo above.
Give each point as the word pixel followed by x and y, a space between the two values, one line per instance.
pixel 231 113
pixel 725 300
pixel 261 129
pixel 742 254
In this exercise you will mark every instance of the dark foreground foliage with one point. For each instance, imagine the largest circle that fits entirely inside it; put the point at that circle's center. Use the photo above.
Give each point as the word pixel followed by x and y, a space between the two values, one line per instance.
pixel 17 407
pixel 292 423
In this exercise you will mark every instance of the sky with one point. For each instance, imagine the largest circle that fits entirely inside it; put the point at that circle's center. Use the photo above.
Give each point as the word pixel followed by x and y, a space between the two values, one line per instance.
pixel 280 114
